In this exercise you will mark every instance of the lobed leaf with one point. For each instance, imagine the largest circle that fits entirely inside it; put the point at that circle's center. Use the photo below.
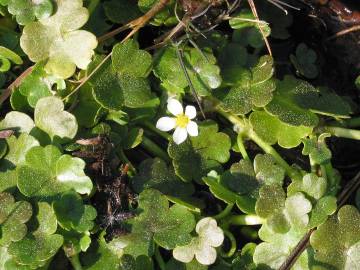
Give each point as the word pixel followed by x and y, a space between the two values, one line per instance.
pixel 194 158
pixel 272 130
pixel 253 90
pixel 13 216
pixel 58 41
pixel 46 174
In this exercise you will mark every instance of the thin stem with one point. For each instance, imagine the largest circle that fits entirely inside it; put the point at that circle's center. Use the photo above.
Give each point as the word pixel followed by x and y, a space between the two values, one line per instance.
pixel 225 212
pixel 75 262
pixel 332 178
pixel 152 128
pixel 248 220
pixel 137 23
pixel 349 189
pixel 84 80
pixel 154 149
pixel 245 130
pixel 124 159
pixel 291 172
pixel 92 5
pixel 233 245
pixel 14 84
pixel 240 143
pixel 159 259
pixel 342 132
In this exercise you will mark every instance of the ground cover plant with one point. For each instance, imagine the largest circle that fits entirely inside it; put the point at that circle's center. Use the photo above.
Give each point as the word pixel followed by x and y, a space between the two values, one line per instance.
pixel 164 134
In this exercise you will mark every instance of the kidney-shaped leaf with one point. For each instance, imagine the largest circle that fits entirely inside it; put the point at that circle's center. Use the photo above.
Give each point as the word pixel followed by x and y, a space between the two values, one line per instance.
pixel 168 227
pixel 194 158
pixel 50 117
pixel 13 216
pixel 272 130
pixel 58 40
pixel 254 90
pixel 46 174
pixel 337 241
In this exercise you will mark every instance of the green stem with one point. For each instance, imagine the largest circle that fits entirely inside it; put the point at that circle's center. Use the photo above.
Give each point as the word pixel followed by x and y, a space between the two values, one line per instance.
pixel 333 180
pixel 159 259
pixel 151 127
pixel 350 123
pixel 75 262
pixel 240 143
pixel 224 212
pixel 342 132
pixel 154 149
pixel 291 172
pixel 249 132
pixel 233 246
pixel 92 5
pixel 241 220
pixel 244 220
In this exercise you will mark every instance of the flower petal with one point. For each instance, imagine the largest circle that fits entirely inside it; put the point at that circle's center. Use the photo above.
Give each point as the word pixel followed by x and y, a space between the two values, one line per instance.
pixel 183 254
pixel 180 135
pixel 207 229
pixel 206 255
pixel 192 129
pixel 166 123
pixel 190 112
pixel 174 106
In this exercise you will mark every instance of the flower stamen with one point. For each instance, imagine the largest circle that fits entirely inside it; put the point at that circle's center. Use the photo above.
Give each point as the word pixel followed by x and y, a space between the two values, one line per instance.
pixel 182 120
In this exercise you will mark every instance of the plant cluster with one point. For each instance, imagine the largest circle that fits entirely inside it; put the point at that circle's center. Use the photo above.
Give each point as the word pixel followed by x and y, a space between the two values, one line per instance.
pixel 91 178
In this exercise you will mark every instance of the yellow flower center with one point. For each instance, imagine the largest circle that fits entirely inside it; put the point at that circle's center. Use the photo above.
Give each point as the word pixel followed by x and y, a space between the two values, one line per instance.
pixel 182 120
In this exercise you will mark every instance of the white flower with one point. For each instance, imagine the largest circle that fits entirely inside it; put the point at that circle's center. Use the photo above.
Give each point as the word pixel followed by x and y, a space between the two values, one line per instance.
pixel 203 246
pixel 181 122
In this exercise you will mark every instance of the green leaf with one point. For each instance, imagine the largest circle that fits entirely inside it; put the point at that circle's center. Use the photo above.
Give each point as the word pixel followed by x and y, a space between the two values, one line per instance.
pixel 168 227
pixel 121 11
pixel 41 244
pixel 323 208
pixel 276 248
pixel 134 138
pixel 18 147
pixel 245 260
pixel 311 184
pixel 295 102
pixel 46 174
pixel 253 90
pixel 140 263
pixel 165 16
pixel 203 71
pixel 194 158
pixel 127 59
pixel 18 121
pixel 267 170
pixel 304 61
pixel 26 10
pixel 317 149
pixel 337 241
pixel 283 214
pixel 248 29
pixel 72 214
pixel 154 173
pixel 37 85
pixel 285 103
pixel 100 256
pixel 13 216
pixel 57 40
pixel 88 111
pixel 272 130
pixel 114 91
pixel 50 117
